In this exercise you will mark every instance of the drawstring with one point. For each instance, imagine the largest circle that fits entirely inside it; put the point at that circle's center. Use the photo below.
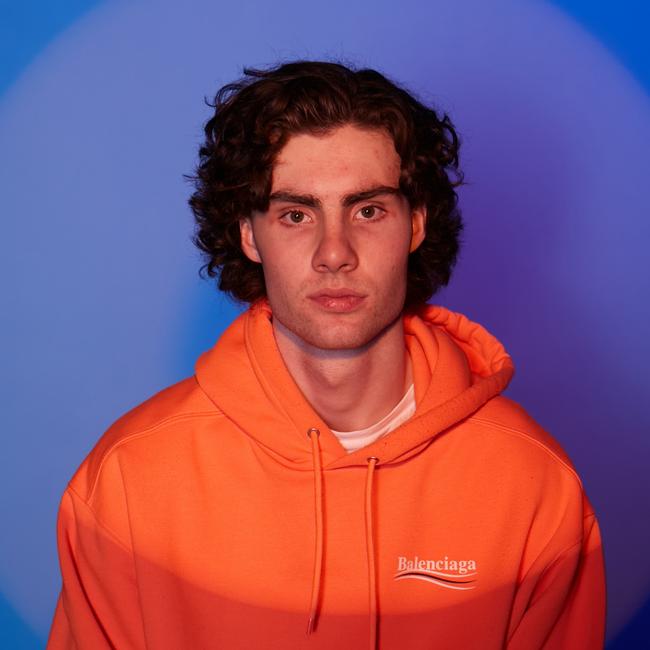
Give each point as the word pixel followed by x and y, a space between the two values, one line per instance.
pixel 314 435
pixel 370 549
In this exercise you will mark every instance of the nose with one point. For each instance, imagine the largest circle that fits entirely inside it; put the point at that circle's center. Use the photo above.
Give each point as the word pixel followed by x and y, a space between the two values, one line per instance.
pixel 335 250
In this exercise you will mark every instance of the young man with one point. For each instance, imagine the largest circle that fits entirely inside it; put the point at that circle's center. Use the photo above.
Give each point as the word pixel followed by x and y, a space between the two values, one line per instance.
pixel 341 471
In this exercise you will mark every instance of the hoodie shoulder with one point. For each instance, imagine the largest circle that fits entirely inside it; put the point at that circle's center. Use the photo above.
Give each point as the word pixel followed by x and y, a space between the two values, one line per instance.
pixel 181 400
pixel 505 414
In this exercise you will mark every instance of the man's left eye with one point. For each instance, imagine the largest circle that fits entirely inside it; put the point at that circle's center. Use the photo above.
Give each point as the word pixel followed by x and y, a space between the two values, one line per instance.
pixel 369 211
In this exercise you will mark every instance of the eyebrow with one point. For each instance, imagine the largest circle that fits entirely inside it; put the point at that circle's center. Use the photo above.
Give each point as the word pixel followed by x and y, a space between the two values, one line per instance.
pixel 349 199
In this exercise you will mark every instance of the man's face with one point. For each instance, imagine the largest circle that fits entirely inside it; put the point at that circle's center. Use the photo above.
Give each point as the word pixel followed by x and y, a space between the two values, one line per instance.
pixel 335 241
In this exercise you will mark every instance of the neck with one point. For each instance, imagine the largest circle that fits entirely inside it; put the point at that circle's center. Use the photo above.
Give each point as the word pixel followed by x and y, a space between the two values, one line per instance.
pixel 349 389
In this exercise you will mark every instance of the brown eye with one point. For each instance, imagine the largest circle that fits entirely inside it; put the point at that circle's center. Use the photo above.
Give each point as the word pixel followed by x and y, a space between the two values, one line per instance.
pixel 296 216
pixel 371 212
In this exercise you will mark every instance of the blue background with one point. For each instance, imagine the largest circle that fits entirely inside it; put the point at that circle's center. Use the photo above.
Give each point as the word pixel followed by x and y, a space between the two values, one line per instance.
pixel 101 108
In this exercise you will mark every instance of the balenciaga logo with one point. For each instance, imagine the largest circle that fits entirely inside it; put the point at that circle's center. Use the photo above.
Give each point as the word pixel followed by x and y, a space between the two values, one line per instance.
pixel 453 574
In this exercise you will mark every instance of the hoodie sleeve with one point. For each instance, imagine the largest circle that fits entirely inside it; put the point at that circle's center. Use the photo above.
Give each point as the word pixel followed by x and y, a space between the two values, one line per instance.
pixel 567 605
pixel 98 603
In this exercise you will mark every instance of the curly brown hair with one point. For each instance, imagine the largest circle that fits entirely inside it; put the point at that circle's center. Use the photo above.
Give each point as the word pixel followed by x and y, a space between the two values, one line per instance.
pixel 253 119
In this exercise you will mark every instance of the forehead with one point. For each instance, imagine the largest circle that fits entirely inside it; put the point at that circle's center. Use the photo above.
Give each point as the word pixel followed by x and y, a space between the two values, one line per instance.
pixel 345 157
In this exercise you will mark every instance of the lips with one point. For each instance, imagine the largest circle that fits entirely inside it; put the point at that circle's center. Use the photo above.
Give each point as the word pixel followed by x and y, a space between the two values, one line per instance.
pixel 338 300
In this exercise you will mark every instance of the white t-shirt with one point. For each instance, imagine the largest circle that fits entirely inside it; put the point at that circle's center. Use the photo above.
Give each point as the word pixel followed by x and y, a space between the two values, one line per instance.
pixel 404 409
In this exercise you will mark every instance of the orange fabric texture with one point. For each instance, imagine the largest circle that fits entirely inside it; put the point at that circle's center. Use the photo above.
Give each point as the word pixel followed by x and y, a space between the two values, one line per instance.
pixel 223 513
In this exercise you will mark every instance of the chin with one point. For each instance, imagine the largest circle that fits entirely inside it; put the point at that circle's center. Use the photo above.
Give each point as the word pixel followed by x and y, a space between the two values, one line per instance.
pixel 352 336
pixel 343 343
pixel 337 332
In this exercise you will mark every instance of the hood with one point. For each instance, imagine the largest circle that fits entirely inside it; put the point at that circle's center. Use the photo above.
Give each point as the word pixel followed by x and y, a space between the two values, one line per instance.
pixel 457 367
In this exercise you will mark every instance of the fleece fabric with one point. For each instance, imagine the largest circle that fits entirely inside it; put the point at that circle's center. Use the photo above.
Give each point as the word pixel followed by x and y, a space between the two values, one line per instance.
pixel 223 513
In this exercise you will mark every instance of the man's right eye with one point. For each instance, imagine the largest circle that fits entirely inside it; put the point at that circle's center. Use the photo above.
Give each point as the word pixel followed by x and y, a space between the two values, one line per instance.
pixel 294 216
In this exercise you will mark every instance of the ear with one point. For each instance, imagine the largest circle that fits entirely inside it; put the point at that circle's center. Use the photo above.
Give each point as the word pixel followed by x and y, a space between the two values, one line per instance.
pixel 248 245
pixel 419 227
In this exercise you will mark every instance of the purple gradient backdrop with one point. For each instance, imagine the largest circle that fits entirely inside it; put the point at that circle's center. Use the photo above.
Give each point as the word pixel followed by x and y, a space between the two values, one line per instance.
pixel 100 276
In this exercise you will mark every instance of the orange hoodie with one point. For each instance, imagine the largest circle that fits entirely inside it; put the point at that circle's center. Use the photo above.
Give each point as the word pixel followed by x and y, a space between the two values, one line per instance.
pixel 223 513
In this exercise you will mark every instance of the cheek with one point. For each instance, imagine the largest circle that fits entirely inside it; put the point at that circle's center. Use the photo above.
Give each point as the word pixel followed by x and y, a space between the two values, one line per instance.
pixel 390 260
pixel 281 273
pixel 282 254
